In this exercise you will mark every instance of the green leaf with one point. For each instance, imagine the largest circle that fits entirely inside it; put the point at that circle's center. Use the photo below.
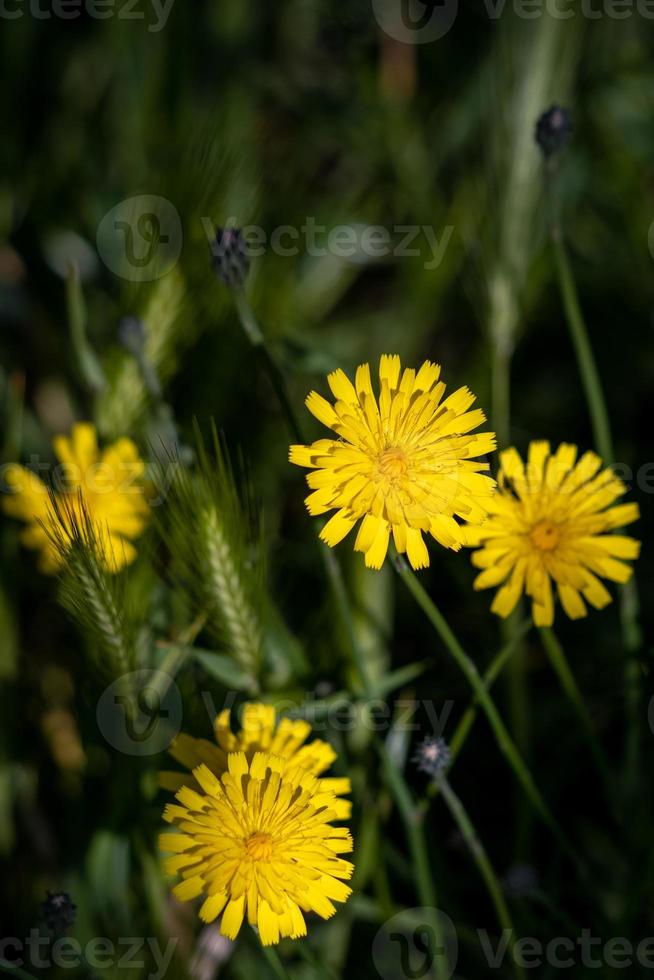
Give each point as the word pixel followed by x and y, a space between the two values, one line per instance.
pixel 223 669
pixel 399 677
pixel 108 864
pixel 87 361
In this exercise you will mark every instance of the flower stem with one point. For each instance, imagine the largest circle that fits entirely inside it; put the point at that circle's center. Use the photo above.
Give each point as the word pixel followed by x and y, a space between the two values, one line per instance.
pixel 584 352
pixel 499 729
pixel 480 857
pixel 255 336
pixel 276 965
pixel 561 666
pixel 413 821
pixel 15 970
pixel 629 606
pixel 308 954
pixel 333 569
pixel 490 676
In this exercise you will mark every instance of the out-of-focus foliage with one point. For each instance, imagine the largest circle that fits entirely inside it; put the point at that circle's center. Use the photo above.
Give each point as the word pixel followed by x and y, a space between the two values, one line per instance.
pixel 304 114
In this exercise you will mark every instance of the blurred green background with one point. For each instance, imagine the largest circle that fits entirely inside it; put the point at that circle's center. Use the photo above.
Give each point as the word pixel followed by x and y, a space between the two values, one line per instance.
pixel 272 114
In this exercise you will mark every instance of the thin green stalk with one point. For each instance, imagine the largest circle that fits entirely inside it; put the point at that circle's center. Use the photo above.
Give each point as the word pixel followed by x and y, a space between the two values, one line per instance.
pixel 629 605
pixel 276 965
pixel 16 970
pixel 471 673
pixel 467 720
pixel 501 393
pixel 309 956
pixel 335 575
pixel 490 676
pixel 332 566
pixel 629 610
pixel 176 655
pixel 561 666
pixel 587 367
pixel 87 361
pixel 412 819
pixel 480 857
pixel 255 336
pixel 504 318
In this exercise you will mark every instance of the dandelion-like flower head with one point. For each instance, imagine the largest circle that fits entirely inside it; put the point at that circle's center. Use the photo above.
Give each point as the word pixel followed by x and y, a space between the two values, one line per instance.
pixel 260 732
pixel 551 522
pixel 256 838
pixel 104 490
pixel 405 462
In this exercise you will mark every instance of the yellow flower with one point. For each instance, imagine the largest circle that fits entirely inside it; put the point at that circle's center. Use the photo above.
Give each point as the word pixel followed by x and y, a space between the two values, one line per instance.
pixel 257 839
pixel 403 463
pixel 105 488
pixel 550 521
pixel 259 733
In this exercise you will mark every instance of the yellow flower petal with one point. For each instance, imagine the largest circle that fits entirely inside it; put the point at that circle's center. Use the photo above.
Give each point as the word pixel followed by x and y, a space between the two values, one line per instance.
pixel 549 524
pixel 405 461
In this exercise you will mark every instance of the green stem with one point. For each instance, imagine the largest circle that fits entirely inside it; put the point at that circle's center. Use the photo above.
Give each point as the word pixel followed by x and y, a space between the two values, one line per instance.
pixel 309 956
pixel 414 829
pixel 629 607
pixel 501 393
pixel 471 673
pixel 175 656
pixel 480 857
pixel 561 666
pixel 276 965
pixel 503 316
pixel 337 582
pixel 587 367
pixel 15 970
pixel 490 676
pixel 255 336
pixel 332 566
pixel 87 361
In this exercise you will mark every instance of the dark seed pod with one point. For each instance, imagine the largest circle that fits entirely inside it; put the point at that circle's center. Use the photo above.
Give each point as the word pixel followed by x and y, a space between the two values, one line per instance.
pixel 553 130
pixel 230 257
pixel 58 912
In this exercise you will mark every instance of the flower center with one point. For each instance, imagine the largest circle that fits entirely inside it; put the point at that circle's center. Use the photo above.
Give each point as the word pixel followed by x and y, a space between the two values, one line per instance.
pixel 544 536
pixel 392 465
pixel 259 846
